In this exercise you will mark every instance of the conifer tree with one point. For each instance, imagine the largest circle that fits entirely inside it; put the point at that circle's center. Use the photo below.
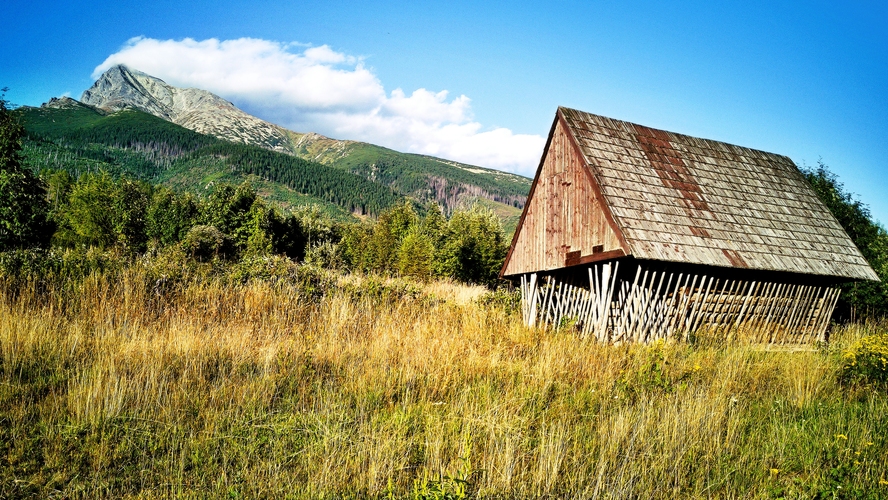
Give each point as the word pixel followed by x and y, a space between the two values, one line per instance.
pixel 24 220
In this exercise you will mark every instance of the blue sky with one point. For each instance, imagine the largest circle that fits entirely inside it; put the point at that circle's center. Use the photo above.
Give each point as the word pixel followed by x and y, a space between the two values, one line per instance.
pixel 479 82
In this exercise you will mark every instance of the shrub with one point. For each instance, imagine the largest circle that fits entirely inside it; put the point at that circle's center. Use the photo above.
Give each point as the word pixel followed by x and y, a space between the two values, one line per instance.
pixel 508 300
pixel 169 216
pixel 382 290
pixel 473 247
pixel 866 362
pixel 324 254
pixel 204 242
pixel 59 266
pixel 416 255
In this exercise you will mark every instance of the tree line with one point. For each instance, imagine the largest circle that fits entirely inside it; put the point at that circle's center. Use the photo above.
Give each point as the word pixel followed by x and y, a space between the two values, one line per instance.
pixel 862 298
pixel 98 210
pixel 131 217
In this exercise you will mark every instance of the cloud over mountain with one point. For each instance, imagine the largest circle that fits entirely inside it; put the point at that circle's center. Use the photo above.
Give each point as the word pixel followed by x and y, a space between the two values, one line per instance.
pixel 318 89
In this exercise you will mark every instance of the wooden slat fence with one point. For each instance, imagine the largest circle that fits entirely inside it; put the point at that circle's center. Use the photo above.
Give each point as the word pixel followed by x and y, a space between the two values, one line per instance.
pixel 652 304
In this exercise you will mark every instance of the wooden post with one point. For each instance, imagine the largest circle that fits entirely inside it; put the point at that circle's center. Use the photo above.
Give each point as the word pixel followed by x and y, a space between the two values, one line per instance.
pixel 693 321
pixel 775 307
pixel 682 308
pixel 637 307
pixel 546 300
pixel 804 316
pixel 608 282
pixel 833 298
pixel 591 320
pixel 667 304
pixel 812 308
pixel 653 309
pixel 763 300
pixel 626 306
pixel 749 296
pixel 524 299
pixel 817 308
pixel 736 301
pixel 790 321
pixel 533 292
pixel 721 306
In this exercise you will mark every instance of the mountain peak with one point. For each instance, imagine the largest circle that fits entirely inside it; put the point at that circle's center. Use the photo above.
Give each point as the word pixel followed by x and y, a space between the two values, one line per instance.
pixel 122 87
pixel 123 69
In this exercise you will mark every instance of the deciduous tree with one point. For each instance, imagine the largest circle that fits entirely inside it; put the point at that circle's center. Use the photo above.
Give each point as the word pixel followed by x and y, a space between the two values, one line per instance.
pixel 867 298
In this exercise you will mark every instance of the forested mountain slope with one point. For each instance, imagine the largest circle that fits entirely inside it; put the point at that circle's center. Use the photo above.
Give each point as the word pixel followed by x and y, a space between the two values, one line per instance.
pixel 68 135
pixel 423 178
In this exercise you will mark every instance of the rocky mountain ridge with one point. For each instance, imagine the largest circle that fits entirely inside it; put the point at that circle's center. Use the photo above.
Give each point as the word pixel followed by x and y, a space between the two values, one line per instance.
pixel 62 103
pixel 122 88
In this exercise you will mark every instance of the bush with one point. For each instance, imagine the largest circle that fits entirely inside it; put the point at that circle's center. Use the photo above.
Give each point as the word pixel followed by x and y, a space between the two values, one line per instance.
pixel 473 247
pixel 866 362
pixel 508 300
pixel 59 265
pixel 324 254
pixel 416 255
pixel 204 242
pixel 169 217
pixel 383 290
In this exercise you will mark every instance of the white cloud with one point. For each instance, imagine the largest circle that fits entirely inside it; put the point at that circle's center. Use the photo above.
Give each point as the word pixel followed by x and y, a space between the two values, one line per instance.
pixel 317 89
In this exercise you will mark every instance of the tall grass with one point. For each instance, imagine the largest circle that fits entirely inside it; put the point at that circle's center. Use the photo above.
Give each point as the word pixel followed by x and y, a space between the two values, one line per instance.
pixel 112 386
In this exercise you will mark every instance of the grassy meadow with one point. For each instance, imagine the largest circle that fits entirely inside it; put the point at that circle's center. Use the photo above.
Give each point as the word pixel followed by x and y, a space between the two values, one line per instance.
pixel 304 384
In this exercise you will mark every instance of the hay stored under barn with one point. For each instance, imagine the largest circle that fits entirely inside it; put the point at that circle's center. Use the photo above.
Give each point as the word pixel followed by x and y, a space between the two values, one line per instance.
pixel 635 234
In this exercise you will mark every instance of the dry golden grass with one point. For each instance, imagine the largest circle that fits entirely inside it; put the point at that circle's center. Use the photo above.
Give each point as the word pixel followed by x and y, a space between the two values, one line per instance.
pixel 261 390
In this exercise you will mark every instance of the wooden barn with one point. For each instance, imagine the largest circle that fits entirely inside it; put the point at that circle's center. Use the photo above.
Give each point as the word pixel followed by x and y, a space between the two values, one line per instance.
pixel 635 234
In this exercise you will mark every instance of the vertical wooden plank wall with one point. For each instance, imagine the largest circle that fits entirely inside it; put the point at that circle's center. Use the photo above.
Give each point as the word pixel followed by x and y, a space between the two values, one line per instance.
pixel 654 304
pixel 563 214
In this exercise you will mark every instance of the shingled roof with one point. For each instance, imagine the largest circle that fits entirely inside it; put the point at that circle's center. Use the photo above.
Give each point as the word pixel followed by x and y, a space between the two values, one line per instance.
pixel 676 198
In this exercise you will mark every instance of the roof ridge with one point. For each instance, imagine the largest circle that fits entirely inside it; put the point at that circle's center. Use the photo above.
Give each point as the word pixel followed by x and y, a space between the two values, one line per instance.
pixel 688 136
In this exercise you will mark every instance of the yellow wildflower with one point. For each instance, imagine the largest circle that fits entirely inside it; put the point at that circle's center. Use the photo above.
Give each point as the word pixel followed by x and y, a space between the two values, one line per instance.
pixel 774 472
pixel 841 436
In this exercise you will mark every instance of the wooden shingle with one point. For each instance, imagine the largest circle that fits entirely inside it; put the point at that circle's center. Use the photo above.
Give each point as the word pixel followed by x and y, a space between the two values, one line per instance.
pixel 662 196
